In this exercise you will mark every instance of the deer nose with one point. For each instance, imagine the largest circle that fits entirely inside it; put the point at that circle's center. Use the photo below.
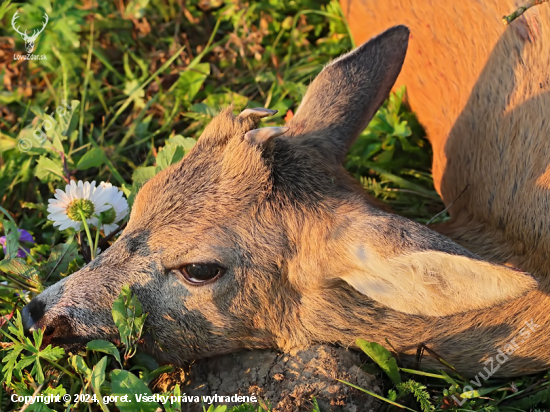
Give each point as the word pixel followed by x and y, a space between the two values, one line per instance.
pixel 56 328
pixel 31 314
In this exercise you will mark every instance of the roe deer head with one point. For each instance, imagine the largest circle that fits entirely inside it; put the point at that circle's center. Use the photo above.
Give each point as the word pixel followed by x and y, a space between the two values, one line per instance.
pixel 259 238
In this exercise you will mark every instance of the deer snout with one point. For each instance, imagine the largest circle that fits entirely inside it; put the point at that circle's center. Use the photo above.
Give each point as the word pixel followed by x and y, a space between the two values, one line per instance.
pixel 72 312
pixel 55 328
pixel 31 314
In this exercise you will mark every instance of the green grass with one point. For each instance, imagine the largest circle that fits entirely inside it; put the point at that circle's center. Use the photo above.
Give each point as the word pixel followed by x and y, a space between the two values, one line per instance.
pixel 143 78
pixel 440 390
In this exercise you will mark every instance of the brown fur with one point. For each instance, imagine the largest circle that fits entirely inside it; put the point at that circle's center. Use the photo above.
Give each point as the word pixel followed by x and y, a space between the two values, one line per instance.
pixel 481 90
pixel 308 258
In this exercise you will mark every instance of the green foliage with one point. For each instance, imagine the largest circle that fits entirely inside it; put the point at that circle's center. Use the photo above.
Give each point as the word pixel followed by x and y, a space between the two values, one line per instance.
pixel 129 320
pixel 247 407
pixel 315 406
pixel 31 273
pixel 431 395
pixel 538 398
pixel 382 357
pixel 419 392
pixel 24 353
pixel 123 383
pixel 212 408
pixel 392 159
pixel 105 347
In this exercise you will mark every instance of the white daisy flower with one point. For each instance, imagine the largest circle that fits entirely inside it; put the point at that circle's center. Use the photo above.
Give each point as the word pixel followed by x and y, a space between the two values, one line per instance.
pixel 119 208
pixel 64 209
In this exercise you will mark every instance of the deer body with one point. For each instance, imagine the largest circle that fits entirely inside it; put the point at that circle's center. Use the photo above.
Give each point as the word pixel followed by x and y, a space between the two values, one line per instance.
pixel 481 89
pixel 259 238
pixel 468 341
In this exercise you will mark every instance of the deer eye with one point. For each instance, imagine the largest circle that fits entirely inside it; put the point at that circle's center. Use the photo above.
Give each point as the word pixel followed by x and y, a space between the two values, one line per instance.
pixel 201 273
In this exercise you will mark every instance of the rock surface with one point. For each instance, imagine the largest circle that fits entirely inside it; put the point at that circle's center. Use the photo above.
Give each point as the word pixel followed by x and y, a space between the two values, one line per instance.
pixel 288 383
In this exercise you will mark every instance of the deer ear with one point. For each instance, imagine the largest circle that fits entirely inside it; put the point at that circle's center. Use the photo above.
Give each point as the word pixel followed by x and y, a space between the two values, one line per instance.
pixel 343 98
pixel 408 267
pixel 438 284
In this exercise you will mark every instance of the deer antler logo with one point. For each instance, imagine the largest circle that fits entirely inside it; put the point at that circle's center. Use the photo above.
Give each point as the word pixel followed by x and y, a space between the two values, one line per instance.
pixel 29 40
